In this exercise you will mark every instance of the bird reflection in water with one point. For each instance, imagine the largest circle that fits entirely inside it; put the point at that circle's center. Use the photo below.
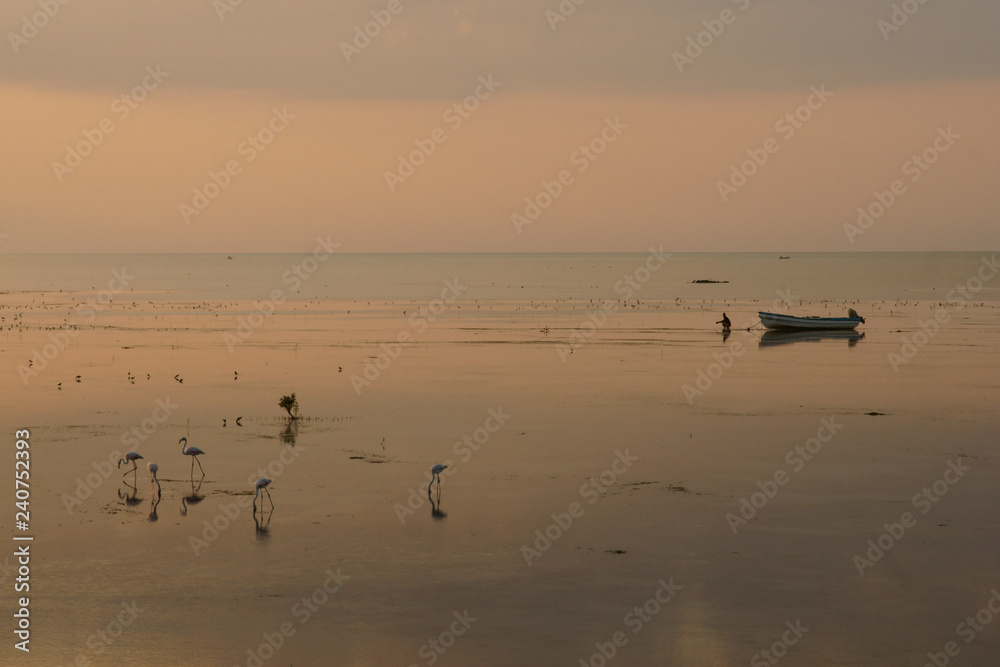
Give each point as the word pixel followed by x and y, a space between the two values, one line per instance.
pixel 156 494
pixel 130 497
pixel 436 504
pixel 262 521
pixel 192 499
pixel 152 507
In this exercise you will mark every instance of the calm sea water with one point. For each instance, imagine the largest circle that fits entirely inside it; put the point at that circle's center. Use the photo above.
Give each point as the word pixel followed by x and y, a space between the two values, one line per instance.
pixel 403 277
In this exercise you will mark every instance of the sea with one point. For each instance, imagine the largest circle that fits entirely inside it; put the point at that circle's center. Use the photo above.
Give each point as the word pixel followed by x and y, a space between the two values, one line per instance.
pixel 544 277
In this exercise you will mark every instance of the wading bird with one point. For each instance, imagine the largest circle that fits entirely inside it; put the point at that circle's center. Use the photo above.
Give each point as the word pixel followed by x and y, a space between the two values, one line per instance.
pixel 193 452
pixel 152 476
pixel 261 485
pixel 436 473
pixel 131 457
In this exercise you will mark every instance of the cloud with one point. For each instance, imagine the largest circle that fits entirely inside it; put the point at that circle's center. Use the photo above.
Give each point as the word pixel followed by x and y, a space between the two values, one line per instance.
pixel 431 49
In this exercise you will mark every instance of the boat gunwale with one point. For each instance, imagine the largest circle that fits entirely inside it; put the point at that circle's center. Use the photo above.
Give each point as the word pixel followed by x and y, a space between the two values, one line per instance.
pixel 782 321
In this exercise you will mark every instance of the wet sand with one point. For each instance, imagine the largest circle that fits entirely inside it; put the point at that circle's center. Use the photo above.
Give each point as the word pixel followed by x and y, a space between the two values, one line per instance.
pixel 344 476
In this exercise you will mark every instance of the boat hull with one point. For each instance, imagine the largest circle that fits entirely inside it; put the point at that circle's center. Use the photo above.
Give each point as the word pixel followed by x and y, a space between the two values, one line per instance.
pixel 780 322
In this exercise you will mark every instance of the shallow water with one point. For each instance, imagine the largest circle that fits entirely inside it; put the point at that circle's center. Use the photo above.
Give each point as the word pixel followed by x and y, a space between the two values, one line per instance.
pixel 341 493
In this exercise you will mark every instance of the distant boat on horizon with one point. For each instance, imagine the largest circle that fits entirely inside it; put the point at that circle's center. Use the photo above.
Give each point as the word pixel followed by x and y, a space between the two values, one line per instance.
pixel 784 257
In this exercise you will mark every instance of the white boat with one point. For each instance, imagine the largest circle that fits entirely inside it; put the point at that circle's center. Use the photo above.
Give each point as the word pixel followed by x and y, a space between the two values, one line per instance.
pixel 790 322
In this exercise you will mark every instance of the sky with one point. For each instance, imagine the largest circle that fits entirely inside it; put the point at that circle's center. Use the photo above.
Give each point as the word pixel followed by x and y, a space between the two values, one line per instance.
pixel 728 125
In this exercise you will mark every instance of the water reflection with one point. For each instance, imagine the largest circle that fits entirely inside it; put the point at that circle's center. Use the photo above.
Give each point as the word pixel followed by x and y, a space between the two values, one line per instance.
pixel 131 497
pixel 772 338
pixel 435 499
pixel 262 522
pixel 156 496
pixel 291 432
pixel 192 499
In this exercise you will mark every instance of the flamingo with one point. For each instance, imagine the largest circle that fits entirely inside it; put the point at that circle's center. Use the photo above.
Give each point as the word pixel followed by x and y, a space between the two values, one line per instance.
pixel 261 485
pixel 193 452
pixel 131 457
pixel 436 472
pixel 152 478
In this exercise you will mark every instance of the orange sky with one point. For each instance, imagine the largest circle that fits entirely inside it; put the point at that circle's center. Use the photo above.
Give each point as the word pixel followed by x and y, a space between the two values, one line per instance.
pixel 325 171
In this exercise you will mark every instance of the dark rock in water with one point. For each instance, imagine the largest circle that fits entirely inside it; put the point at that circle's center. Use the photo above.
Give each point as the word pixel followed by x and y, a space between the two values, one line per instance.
pixel 875 414
pixel 709 282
